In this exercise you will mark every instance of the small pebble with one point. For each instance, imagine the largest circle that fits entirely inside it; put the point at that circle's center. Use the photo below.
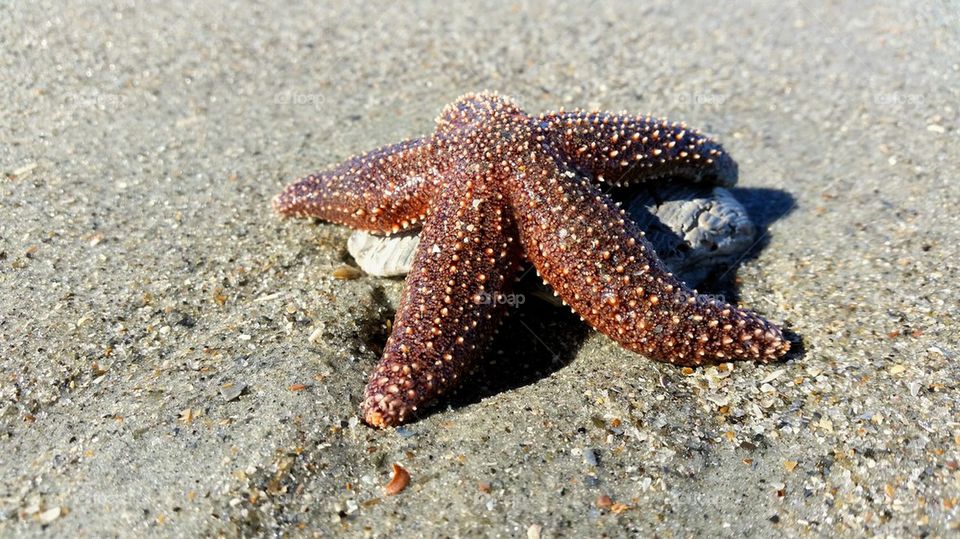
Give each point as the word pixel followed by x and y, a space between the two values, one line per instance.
pixel 346 273
pixel 352 507
pixel 404 432
pixel 232 390
pixel 645 483
pixel 400 480
pixel 50 515
pixel 22 172
pixel 317 335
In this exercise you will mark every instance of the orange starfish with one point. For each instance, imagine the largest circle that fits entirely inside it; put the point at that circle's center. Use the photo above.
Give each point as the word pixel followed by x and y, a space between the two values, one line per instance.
pixel 493 187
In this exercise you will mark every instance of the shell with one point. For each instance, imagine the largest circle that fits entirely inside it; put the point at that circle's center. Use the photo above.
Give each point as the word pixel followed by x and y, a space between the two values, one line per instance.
pixel 695 229
pixel 384 256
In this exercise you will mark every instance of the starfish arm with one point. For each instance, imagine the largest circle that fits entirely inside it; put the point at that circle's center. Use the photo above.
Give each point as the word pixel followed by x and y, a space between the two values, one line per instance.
pixel 385 190
pixel 621 149
pixel 451 305
pixel 600 264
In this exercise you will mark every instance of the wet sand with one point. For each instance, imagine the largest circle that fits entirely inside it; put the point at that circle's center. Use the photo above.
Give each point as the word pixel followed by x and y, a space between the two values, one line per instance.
pixel 176 361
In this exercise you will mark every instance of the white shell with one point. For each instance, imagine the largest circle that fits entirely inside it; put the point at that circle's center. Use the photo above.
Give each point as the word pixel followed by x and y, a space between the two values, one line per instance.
pixel 384 256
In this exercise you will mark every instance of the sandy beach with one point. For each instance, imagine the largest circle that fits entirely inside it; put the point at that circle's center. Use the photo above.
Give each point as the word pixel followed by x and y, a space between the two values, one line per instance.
pixel 177 361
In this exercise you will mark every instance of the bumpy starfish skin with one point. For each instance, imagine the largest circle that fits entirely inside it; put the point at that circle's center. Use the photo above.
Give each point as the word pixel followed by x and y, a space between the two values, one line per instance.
pixel 383 191
pixel 620 149
pixel 495 187
pixel 600 264
pixel 451 301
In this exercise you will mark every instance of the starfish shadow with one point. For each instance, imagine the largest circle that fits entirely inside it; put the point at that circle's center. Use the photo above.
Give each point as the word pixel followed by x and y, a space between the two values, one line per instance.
pixel 536 340
pixel 764 206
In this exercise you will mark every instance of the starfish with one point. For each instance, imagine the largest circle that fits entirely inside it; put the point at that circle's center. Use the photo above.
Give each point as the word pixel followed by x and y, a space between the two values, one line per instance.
pixel 494 187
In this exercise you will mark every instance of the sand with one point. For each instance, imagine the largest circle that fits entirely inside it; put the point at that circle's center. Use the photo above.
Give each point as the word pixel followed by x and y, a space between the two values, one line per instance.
pixel 176 361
